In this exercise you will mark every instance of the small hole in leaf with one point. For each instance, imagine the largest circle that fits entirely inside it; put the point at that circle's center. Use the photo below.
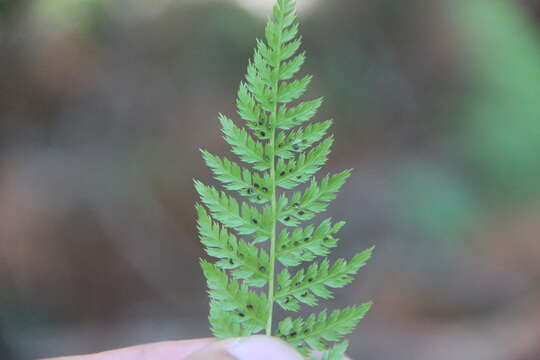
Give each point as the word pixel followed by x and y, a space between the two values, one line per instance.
pixel 256 186
pixel 298 177
pixel 304 294
pixel 295 147
pixel 310 279
pixel 263 133
pixel 282 173
pixel 287 218
pixel 306 239
pixel 241 314
pixel 231 261
pixel 294 333
pixel 262 268
pixel 254 221
pixel 300 213
pixel 249 306
pixel 265 189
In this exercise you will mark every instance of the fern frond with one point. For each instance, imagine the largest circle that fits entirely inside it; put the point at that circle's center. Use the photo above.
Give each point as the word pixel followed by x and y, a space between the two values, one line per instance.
pixel 290 91
pixel 243 218
pixel 256 86
pixel 305 244
pixel 245 306
pixel 297 115
pixel 244 146
pixel 279 151
pixel 317 329
pixel 290 48
pixel 247 183
pixel 289 68
pixel 224 325
pixel 314 200
pixel 300 139
pixel 294 172
pixel 308 284
pixel 245 261
pixel 337 352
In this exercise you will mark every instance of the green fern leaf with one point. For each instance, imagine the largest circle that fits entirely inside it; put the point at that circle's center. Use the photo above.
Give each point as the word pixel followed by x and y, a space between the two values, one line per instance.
pixel 247 183
pixel 308 284
pixel 244 306
pixel 300 139
pixel 316 330
pixel 249 150
pixel 298 114
pixel 245 261
pixel 291 67
pixel 294 172
pixel 305 244
pixel 315 199
pixel 279 151
pixel 291 91
pixel 243 218
pixel 337 352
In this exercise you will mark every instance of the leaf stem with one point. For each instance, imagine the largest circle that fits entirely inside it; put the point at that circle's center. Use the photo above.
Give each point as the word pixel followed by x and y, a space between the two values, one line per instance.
pixel 273 237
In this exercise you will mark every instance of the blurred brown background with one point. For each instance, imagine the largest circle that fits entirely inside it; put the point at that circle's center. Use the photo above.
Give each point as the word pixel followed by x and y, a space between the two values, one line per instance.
pixel 104 105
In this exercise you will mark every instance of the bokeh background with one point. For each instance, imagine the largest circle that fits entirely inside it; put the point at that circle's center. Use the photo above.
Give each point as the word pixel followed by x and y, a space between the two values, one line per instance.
pixel 105 104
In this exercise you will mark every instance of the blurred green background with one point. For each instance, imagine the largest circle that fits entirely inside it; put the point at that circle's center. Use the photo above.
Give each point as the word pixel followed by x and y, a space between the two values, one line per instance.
pixel 104 105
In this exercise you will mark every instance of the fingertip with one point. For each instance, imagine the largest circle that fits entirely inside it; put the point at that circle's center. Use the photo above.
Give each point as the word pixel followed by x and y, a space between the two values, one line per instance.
pixel 264 348
pixel 253 347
